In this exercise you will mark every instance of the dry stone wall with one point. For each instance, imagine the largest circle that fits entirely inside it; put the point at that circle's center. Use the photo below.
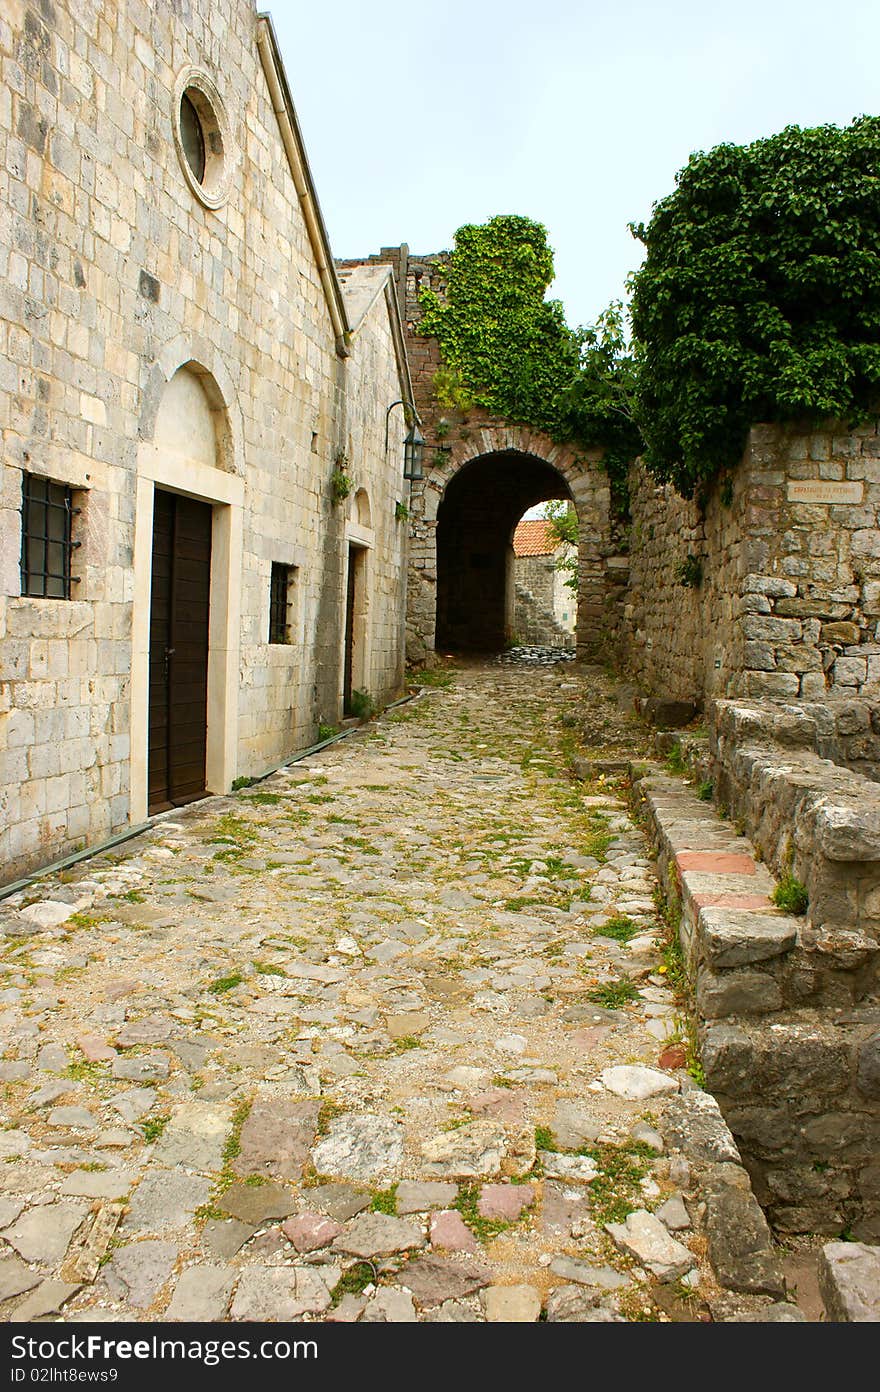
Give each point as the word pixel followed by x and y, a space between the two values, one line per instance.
pixel 789 549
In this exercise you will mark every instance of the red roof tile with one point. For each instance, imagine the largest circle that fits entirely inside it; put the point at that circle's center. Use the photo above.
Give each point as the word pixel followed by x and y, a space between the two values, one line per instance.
pixel 534 538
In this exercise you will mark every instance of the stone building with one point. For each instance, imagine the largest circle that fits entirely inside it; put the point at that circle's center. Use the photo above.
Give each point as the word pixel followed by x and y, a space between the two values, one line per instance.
pixel 187 389
pixel 545 606
pixel 482 472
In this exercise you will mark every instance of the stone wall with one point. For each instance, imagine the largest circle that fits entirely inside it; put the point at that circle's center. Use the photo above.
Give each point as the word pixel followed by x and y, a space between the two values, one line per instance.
pixel 114 277
pixel 786 1006
pixel 539 577
pixel 459 441
pixel 789 550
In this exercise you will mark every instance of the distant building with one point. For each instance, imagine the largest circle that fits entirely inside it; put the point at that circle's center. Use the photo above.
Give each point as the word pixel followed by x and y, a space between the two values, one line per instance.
pixel 545 610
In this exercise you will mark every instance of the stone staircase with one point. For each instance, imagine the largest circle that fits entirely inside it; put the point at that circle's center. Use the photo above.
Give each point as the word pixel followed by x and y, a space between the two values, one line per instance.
pixel 535 624
pixel 787 1016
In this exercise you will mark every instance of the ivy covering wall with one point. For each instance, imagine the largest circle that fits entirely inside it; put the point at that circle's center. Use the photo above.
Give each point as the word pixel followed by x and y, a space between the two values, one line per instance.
pixel 759 299
pixel 506 347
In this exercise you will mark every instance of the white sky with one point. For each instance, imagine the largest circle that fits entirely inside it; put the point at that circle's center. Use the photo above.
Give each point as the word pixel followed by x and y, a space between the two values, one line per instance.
pixel 418 118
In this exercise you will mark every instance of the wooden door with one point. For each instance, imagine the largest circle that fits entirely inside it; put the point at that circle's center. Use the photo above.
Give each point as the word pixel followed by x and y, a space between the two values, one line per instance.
pixel 180 596
pixel 349 629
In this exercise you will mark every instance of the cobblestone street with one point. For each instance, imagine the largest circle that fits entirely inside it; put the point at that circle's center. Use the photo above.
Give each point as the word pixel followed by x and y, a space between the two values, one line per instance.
pixel 367 1040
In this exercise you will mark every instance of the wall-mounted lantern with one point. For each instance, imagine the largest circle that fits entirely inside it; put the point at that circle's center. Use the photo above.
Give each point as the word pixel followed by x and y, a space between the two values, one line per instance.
pixel 414 442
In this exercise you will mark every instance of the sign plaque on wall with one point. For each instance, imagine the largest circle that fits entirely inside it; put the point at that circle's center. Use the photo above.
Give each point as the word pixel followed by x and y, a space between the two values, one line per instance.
pixel 824 491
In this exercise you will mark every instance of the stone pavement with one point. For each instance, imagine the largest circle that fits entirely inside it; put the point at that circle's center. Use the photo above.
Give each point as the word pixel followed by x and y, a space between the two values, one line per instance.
pixel 379 1038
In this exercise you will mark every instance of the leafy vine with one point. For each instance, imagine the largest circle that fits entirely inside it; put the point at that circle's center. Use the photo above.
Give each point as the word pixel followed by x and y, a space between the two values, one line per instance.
pixel 507 348
pixel 759 298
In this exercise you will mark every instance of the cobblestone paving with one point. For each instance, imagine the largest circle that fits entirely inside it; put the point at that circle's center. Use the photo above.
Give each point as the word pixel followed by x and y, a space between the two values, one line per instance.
pixel 366 1041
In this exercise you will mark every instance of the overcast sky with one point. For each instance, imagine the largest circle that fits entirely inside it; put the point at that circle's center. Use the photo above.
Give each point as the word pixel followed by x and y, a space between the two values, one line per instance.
pixel 418 118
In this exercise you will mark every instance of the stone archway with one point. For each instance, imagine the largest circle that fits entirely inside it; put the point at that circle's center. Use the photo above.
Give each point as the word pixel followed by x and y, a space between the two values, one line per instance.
pixel 477 494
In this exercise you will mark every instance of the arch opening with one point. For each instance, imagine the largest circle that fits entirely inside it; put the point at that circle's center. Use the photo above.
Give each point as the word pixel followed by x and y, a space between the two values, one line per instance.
pixel 476 520
pixel 546 572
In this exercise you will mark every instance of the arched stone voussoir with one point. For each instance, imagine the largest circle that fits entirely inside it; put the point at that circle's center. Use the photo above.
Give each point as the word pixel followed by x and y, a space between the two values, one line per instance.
pixel 581 477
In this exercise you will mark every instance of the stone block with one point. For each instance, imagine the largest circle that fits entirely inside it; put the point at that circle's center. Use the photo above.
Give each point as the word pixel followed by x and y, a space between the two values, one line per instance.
pixel 775 685
pixel 693 1124
pixel 849 1282
pixel 736 993
pixel 850 671
pixel 773 585
pixel 868 1068
pixel 740 1247
pixel 735 938
pixel 764 629
pixel 840 633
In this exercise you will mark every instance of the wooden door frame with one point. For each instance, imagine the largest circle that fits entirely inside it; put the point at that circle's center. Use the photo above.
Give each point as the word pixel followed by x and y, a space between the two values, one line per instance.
pixel 225 493
pixel 360 539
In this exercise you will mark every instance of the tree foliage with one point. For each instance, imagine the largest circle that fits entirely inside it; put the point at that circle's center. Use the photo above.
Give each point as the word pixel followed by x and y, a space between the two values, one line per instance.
pixel 562 521
pixel 508 348
pixel 759 298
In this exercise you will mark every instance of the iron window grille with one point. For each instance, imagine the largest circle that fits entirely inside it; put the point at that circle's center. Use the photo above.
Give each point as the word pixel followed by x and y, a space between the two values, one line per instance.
pixel 46 543
pixel 279 590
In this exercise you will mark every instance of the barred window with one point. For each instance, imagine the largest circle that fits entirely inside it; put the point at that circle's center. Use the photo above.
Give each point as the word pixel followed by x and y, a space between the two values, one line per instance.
pixel 279 600
pixel 46 542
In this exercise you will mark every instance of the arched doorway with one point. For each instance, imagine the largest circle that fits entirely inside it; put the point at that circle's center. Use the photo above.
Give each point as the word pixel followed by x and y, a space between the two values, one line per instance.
pixel 188 543
pixel 475 525
pixel 462 518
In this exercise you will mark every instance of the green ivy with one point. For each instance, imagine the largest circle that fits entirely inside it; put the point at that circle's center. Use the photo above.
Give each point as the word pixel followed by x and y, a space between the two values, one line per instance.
pixel 759 299
pixel 508 348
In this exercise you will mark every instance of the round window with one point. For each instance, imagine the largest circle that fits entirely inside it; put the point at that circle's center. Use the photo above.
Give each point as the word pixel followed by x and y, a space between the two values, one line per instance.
pixel 201 134
pixel 192 137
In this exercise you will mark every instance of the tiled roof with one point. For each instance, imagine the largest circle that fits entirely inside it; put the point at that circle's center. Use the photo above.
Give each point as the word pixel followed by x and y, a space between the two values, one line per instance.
pixel 534 538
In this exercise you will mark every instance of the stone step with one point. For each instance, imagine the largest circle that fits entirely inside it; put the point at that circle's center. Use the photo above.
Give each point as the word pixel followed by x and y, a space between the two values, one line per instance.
pixel 789 1048
pixel 744 955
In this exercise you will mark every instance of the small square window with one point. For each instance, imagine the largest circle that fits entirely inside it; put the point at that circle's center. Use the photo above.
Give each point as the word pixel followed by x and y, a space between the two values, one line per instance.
pixel 46 541
pixel 279 603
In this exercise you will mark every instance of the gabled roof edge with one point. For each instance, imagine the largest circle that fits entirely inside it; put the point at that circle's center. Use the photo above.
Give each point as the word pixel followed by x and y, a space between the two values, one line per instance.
pixel 291 136
pixel 406 386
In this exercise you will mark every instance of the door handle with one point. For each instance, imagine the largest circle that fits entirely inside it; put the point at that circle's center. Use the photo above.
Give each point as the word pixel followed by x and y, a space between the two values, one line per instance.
pixel 169 653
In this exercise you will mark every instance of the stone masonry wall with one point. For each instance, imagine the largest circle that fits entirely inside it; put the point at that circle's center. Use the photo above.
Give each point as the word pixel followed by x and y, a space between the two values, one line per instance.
pixel 456 439
pixel 790 597
pixel 109 266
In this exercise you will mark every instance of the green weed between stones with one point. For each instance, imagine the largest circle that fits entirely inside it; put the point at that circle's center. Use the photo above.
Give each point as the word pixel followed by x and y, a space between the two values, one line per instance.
pixel 614 994
pixel 153 1127
pixel 544 1138
pixel 84 1072
pixel 675 761
pixel 232 1148
pixel 675 971
pixel 230 827
pixel 616 1191
pixel 597 838
pixel 791 895
pixel 225 983
pixel 328 1112
pixel 483 1229
pixel 619 927
pixel 384 1201
pixel 441 678
pixel 268 969
pixel 354 1281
